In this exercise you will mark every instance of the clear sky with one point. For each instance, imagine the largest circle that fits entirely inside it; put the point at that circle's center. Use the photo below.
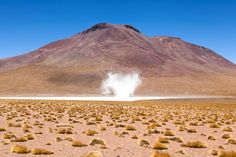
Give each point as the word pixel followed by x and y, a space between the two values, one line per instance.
pixel 26 25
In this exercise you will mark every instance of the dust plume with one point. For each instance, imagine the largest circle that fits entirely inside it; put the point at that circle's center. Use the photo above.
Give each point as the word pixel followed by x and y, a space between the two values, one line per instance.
pixel 120 85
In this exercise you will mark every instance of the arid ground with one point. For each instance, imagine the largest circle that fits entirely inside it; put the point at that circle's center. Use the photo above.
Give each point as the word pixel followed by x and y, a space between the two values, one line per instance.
pixel 163 128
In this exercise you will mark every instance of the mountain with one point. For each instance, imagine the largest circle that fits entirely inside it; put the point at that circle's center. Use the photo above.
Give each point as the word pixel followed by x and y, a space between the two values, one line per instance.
pixel 77 65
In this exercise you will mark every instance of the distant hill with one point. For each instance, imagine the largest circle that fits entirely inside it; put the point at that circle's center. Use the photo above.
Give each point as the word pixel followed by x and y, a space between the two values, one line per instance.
pixel 77 65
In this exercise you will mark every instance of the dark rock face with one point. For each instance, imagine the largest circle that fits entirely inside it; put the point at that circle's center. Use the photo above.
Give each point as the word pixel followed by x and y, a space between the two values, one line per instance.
pixel 97 27
pixel 131 27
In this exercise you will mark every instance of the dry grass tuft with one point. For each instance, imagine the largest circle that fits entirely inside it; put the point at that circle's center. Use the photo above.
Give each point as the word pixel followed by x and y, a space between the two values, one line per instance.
pixel 30 137
pixel 64 131
pixel 8 136
pixel 160 154
pixel 227 154
pixel 169 133
pixel 211 138
pixel 213 152
pixel 143 142
pixel 78 144
pixel 102 128
pixel 159 146
pixel 134 137
pixel 48 143
pixel 94 154
pixel 91 132
pixel 232 141
pixel 192 130
pixel 97 141
pixel 195 144
pixel 228 129
pixel 2 129
pixel 19 149
pixel 59 139
pixel 180 151
pixel 130 128
pixel 214 125
pixel 40 151
pixel 70 139
pixel 226 136
pixel 163 140
pixel 181 128
pixel 176 139
pixel 21 139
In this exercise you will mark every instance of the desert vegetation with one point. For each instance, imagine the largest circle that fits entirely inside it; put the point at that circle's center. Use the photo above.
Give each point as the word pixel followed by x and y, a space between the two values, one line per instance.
pixel 107 129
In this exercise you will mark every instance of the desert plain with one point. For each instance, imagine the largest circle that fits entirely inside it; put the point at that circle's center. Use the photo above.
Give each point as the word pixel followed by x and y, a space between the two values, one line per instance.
pixel 158 128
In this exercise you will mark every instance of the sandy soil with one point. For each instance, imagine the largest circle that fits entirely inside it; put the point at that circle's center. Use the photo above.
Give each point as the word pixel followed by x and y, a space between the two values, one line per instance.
pixel 126 129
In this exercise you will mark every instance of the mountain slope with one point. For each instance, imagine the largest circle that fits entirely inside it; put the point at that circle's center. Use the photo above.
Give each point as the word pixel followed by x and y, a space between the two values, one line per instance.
pixel 77 65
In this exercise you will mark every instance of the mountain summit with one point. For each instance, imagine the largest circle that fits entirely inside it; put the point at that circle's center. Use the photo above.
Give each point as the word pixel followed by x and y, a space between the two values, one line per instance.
pixel 77 65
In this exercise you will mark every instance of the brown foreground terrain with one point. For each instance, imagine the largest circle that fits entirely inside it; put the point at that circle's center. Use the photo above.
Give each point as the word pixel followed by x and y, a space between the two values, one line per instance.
pixel 183 128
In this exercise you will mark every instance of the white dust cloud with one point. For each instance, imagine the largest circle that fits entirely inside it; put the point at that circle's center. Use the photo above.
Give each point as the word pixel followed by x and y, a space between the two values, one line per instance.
pixel 120 85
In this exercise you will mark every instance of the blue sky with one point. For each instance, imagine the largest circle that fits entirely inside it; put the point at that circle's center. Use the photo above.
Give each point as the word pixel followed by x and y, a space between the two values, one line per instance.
pixel 26 25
